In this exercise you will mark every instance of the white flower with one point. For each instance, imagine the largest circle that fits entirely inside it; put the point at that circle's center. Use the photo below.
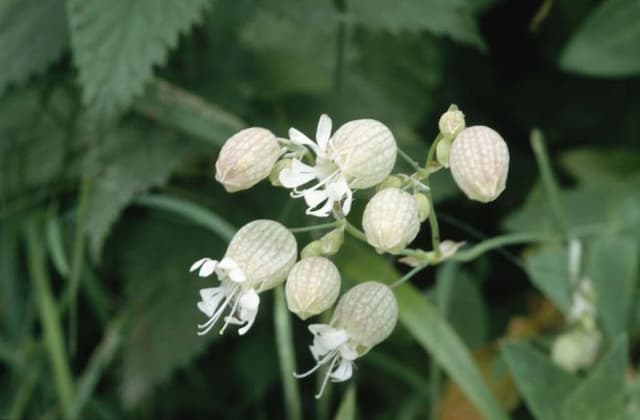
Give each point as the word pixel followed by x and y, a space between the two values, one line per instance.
pixel 244 301
pixel 364 317
pixel 331 345
pixel 258 258
pixel 361 154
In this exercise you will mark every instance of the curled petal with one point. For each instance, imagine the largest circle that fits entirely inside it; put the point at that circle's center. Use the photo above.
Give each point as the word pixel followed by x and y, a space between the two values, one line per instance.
pixel 324 131
pixel 343 372
pixel 297 137
pixel 211 299
pixel 196 265
pixel 313 198
pixel 207 268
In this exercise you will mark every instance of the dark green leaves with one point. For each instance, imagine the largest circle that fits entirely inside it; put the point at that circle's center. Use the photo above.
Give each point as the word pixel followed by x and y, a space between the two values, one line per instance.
pixel 543 385
pixel 607 43
pixel 117 43
pixel 33 33
pixel 452 18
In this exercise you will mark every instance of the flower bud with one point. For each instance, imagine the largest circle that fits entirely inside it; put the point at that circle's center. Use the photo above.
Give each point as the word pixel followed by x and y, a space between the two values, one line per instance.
pixel 424 207
pixel 331 242
pixel 312 286
pixel 312 249
pixel 368 312
pixel 246 158
pixel 443 149
pixel 265 251
pixel 390 220
pixel 365 150
pixel 479 161
pixel 576 350
pixel 451 122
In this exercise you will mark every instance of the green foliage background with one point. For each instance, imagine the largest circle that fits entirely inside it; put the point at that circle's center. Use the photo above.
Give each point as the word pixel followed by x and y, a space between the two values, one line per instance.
pixel 112 111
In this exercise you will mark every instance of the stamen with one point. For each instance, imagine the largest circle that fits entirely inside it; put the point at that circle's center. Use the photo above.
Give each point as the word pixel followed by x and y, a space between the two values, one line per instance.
pixel 326 378
pixel 317 366
pixel 207 326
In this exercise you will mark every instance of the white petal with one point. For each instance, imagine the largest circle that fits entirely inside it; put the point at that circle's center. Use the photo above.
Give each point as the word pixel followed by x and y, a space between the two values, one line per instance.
pixel 249 301
pixel 343 372
pixel 297 137
pixel 314 198
pixel 211 299
pixel 348 353
pixel 237 275
pixel 332 339
pixel 323 132
pixel 296 175
pixel 346 206
pixel 324 211
pixel 198 263
pixel 319 328
pixel 207 268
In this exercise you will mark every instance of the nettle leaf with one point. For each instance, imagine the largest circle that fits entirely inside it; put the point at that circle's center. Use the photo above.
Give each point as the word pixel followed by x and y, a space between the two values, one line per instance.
pixel 602 395
pixel 613 268
pixel 606 44
pixel 116 43
pixel 453 18
pixel 543 385
pixel 131 160
pixel 161 296
pixel 34 138
pixel 548 269
pixel 33 34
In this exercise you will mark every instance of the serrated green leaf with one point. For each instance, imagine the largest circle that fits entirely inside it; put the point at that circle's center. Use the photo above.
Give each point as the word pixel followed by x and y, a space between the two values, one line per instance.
pixel 613 268
pixel 606 44
pixel 33 33
pixel 161 296
pixel 548 269
pixel 543 385
pixel 132 160
pixel 453 18
pixel 33 142
pixel 116 43
pixel 425 324
pixel 601 395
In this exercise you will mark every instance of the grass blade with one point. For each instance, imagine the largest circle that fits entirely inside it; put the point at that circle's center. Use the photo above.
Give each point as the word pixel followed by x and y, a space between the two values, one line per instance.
pixel 286 354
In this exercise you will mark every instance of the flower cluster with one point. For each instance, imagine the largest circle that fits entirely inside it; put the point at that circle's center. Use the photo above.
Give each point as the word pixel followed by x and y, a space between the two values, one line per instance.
pixel 326 173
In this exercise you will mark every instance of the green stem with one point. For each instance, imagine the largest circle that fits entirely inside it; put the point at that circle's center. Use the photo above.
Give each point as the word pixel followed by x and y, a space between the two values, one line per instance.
pixel 409 275
pixel 100 360
pixel 330 225
pixel 409 160
pixel 354 231
pixel 77 260
pixel 431 154
pixel 54 342
pixel 28 378
pixel 433 223
pixel 549 181
pixel 286 354
pixel 497 242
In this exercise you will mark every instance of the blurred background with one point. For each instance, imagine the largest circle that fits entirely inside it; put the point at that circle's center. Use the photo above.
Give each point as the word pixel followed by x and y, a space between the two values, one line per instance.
pixel 112 114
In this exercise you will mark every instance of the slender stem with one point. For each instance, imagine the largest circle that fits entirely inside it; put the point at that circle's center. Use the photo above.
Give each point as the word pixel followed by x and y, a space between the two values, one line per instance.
pixel 497 242
pixel 100 360
pixel 287 357
pixel 311 228
pixel 28 378
pixel 431 154
pixel 410 274
pixel 549 181
pixel 53 337
pixel 433 223
pixel 409 160
pixel 354 231
pixel 77 260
